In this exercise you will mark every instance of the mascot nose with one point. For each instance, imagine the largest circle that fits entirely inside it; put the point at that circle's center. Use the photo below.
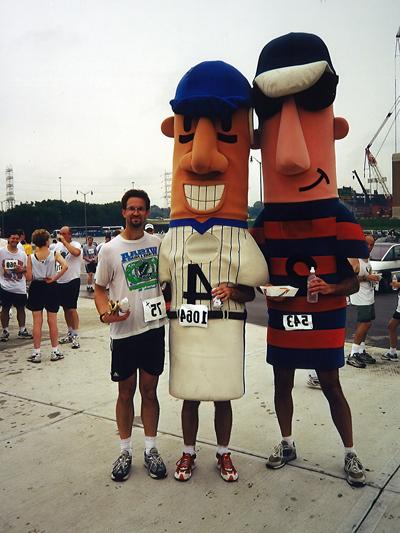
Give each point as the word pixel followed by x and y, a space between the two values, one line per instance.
pixel 292 155
pixel 205 157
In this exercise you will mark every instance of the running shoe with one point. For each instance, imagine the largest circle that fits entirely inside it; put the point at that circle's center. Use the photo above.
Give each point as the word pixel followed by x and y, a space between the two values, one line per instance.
pixel 185 467
pixel 66 339
pixel 122 467
pixel 282 454
pixel 225 466
pixel 154 464
pixel 354 360
pixel 35 357
pixel 24 334
pixel 366 358
pixel 355 473
pixel 390 357
pixel 4 336
pixel 313 382
pixel 75 342
pixel 56 355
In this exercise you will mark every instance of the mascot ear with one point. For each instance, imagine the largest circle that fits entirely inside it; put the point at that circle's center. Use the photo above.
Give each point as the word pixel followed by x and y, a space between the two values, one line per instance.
pixel 340 128
pixel 167 127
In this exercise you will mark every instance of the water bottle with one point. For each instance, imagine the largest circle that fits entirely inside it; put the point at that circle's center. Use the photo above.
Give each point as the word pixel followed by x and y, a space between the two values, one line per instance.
pixel 394 278
pixel 312 298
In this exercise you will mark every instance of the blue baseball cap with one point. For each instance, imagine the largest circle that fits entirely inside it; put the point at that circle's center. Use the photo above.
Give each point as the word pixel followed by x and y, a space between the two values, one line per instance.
pixel 211 88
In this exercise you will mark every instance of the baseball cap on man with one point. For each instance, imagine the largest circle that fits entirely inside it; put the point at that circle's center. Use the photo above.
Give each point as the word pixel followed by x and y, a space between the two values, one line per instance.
pixel 149 226
pixel 298 65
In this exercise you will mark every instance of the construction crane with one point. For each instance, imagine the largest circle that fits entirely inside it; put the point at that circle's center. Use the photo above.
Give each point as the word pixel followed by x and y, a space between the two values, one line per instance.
pixel 364 190
pixel 370 162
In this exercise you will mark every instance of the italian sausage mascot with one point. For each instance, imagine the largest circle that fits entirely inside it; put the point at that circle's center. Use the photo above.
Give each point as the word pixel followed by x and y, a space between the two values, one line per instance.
pixel 208 256
pixel 305 228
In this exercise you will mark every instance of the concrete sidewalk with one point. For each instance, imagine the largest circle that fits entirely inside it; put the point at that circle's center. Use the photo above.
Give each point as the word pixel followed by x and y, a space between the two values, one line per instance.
pixel 58 441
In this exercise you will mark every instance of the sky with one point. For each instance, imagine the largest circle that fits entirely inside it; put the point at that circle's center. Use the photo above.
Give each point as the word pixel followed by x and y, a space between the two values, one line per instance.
pixel 85 84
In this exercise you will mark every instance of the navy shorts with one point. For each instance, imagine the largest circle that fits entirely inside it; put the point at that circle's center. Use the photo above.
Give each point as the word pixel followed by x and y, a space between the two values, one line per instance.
pixel 68 293
pixel 43 295
pixel 145 351
pixel 9 299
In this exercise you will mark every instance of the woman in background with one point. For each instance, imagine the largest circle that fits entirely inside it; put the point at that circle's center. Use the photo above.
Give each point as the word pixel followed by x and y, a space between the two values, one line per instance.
pixel 44 268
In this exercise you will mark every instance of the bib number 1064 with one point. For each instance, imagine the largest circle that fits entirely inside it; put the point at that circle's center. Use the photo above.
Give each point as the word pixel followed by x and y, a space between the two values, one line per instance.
pixel 193 315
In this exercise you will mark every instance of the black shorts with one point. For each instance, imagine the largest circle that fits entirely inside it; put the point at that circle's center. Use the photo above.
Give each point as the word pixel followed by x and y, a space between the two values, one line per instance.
pixel 8 299
pixel 365 313
pixel 396 315
pixel 91 267
pixel 68 293
pixel 43 295
pixel 145 351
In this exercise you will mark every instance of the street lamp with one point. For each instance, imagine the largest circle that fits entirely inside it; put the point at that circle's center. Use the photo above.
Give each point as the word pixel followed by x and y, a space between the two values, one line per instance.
pixel 59 177
pixel 252 158
pixel 84 199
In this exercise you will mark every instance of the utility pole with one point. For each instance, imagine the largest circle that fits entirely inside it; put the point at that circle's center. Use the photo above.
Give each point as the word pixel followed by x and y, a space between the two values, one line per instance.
pixel 59 177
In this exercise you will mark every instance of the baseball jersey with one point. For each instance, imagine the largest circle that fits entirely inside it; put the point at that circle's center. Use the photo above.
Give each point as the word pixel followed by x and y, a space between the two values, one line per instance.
pixel 194 258
pixel 294 237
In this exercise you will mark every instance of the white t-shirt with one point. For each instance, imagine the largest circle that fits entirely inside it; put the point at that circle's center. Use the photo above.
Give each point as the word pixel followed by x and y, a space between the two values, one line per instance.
pixel 10 281
pixel 130 268
pixel 73 261
pixel 366 293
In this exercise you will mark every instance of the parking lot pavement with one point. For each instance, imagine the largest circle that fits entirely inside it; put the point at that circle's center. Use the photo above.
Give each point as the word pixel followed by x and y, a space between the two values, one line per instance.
pixel 58 441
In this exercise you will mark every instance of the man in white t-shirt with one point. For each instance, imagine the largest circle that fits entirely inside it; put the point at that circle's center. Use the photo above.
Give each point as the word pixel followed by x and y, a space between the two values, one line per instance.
pixel 69 284
pixel 128 264
pixel 364 301
pixel 13 286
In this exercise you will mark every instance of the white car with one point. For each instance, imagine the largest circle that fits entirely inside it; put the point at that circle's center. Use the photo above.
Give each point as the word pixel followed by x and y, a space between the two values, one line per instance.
pixel 385 260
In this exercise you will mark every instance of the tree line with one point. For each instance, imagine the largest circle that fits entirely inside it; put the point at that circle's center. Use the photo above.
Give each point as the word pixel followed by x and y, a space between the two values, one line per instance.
pixel 52 214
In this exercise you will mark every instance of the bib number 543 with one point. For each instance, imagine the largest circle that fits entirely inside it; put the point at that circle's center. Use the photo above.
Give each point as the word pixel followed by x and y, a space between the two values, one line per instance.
pixel 294 322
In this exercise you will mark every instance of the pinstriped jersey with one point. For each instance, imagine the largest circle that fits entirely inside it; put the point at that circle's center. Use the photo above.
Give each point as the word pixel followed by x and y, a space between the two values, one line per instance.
pixel 294 237
pixel 192 262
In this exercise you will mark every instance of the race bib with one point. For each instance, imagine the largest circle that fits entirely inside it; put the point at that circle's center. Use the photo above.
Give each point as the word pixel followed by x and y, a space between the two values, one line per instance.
pixel 10 264
pixel 193 315
pixel 294 322
pixel 154 309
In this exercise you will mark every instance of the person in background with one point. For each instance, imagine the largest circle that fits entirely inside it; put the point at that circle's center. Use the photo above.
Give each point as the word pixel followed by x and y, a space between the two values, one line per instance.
pixel 90 258
pixel 69 284
pixel 364 301
pixel 23 244
pixel 13 286
pixel 393 324
pixel 42 294
pixel 107 238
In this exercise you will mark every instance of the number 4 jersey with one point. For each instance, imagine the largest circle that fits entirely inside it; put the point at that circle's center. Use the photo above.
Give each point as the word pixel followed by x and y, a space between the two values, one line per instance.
pixel 130 268
pixel 207 363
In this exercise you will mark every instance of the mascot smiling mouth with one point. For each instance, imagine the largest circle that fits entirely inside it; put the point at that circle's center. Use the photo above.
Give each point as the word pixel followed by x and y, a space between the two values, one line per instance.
pixel 204 197
pixel 322 176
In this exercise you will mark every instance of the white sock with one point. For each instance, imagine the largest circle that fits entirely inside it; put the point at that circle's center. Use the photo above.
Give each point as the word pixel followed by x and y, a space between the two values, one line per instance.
pixel 222 449
pixel 362 347
pixel 289 440
pixel 313 374
pixel 36 350
pixel 349 450
pixel 392 351
pixel 126 445
pixel 189 449
pixel 6 329
pixel 149 443
pixel 54 348
pixel 69 331
pixel 74 332
pixel 21 329
pixel 355 348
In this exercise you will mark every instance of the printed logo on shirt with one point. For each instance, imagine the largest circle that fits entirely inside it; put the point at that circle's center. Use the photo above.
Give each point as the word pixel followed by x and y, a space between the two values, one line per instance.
pixel 141 268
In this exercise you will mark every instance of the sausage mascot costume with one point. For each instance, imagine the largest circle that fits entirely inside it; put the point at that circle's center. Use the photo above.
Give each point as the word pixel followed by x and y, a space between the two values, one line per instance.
pixel 208 242
pixel 304 226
